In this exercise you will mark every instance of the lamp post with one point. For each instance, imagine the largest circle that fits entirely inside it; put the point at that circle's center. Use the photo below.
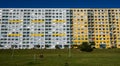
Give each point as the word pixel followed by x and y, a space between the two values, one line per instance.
pixel 12 50
pixel 69 55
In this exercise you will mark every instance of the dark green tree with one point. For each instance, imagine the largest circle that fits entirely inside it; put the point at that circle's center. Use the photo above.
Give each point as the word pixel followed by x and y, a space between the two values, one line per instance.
pixel 57 47
pixel 85 46
pixel 38 46
pixel 92 44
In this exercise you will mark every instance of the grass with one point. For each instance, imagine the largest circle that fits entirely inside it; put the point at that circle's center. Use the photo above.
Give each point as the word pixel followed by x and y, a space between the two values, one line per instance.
pixel 99 57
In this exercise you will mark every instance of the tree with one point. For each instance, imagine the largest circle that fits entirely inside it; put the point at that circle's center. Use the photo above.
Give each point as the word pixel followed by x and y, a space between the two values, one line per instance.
pixel 38 46
pixel 47 46
pixel 92 44
pixel 86 47
pixel 57 47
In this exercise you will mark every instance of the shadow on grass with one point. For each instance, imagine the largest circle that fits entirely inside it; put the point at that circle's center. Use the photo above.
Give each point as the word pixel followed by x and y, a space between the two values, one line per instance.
pixel 32 63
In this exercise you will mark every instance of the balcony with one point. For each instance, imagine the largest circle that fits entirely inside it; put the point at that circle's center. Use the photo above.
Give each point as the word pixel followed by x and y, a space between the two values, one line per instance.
pixel 37 21
pixel 59 21
pixel 60 34
pixel 14 35
pixel 36 35
pixel 15 21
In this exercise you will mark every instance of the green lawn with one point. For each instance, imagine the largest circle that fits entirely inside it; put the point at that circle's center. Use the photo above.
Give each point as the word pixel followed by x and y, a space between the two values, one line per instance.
pixel 99 57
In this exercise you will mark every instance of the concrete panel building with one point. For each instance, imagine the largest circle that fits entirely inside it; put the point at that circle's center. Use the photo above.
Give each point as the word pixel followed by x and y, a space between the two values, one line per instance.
pixel 26 28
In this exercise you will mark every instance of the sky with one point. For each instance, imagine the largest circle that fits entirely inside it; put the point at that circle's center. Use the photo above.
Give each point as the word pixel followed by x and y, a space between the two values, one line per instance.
pixel 59 3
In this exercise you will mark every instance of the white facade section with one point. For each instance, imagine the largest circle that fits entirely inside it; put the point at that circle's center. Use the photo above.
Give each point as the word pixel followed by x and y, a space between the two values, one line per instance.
pixel 26 28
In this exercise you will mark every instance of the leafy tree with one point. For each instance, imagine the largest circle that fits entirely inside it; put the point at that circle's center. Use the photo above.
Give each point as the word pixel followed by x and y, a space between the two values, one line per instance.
pixel 38 46
pixel 46 46
pixel 57 47
pixel 92 44
pixel 86 47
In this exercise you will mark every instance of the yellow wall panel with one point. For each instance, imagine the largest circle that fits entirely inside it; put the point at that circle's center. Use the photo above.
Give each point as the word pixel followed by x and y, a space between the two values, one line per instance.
pixel 62 34
pixel 15 21
pixel 35 35
pixel 14 35
pixel 39 20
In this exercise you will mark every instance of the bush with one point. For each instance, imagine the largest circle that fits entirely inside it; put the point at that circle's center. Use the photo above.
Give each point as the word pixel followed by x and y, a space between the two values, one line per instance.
pixel 66 64
pixel 57 47
pixel 92 44
pixel 38 46
pixel 41 56
pixel 86 47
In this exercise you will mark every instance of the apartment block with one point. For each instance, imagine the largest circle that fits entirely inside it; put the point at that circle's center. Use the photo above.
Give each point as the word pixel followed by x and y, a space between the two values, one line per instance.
pixel 80 26
pixel 27 28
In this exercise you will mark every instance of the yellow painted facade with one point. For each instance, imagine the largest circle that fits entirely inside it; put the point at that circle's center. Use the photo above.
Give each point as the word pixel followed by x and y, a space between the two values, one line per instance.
pixel 58 21
pixel 80 26
pixel 15 21
pixel 60 34
pixel 104 25
pixel 37 21
pixel 14 35
pixel 36 35
pixel 101 28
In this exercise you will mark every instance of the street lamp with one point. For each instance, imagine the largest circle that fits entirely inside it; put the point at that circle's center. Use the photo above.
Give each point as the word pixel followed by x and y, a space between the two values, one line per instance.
pixel 69 50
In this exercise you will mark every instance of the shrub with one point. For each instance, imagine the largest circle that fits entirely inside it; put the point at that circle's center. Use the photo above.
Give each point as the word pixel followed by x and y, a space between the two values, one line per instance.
pixel 57 47
pixel 38 46
pixel 92 44
pixel 86 47
pixel 41 56
pixel 59 55
pixel 66 64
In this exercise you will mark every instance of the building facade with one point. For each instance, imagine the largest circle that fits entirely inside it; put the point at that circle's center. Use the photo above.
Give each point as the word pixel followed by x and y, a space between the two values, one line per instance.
pixel 26 28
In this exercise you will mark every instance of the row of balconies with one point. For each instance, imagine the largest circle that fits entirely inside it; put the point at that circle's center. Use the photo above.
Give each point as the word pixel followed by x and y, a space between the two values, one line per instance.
pixel 38 20
pixel 35 35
